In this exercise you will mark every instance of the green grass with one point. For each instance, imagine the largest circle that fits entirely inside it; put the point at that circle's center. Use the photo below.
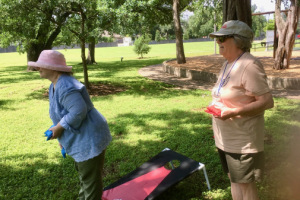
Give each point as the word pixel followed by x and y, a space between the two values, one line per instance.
pixel 144 119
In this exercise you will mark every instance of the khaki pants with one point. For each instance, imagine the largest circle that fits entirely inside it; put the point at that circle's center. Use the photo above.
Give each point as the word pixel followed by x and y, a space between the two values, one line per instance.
pixel 90 176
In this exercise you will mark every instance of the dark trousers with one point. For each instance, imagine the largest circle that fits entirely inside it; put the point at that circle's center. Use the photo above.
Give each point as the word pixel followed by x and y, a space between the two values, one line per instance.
pixel 90 176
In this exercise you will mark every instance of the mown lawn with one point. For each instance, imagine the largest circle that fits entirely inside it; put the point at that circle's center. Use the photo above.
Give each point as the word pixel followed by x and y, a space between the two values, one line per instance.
pixel 144 119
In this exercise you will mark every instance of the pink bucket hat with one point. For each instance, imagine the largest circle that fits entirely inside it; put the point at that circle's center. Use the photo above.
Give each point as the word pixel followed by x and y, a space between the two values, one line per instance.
pixel 51 59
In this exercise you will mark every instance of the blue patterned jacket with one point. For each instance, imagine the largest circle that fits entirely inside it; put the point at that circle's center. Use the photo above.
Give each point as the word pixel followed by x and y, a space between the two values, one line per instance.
pixel 86 132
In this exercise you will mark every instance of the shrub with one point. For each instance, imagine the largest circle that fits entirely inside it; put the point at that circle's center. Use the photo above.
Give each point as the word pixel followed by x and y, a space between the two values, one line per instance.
pixel 141 45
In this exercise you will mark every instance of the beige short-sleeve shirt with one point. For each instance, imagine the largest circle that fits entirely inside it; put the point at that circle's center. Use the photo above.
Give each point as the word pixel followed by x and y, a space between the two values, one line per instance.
pixel 244 80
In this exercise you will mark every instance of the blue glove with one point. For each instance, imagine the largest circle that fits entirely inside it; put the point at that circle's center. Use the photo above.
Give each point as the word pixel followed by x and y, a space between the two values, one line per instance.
pixel 63 152
pixel 49 133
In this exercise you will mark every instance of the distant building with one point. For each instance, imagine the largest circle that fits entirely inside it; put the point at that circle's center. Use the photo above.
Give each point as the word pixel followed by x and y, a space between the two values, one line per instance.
pixel 117 38
pixel 127 41
pixel 122 41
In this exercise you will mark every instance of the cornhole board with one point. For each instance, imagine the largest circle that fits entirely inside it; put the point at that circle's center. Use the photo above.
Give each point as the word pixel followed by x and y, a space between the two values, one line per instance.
pixel 152 178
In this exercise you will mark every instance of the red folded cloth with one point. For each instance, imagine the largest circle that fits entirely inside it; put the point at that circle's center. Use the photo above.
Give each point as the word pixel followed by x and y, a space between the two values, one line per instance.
pixel 213 110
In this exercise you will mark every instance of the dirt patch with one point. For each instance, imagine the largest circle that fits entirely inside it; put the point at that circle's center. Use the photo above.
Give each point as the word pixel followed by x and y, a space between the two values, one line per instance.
pixel 100 89
pixel 96 89
pixel 213 63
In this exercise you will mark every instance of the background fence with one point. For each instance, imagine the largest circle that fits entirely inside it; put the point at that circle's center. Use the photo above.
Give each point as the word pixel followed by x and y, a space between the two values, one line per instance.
pixel 115 44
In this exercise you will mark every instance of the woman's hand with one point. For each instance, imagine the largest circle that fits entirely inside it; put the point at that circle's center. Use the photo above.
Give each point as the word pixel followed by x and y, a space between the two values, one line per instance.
pixel 258 106
pixel 227 113
pixel 57 131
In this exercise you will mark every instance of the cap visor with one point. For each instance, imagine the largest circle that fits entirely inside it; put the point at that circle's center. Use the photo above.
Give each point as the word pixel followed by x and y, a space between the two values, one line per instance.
pixel 216 34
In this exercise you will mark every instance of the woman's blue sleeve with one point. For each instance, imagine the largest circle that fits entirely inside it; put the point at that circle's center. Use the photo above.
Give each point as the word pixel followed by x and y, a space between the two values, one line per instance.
pixel 76 111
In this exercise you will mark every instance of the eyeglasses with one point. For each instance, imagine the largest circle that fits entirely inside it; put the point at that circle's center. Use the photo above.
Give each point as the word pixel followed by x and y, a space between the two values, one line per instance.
pixel 224 38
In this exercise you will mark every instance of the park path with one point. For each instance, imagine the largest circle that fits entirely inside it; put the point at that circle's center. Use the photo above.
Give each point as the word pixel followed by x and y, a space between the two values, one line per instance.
pixel 155 72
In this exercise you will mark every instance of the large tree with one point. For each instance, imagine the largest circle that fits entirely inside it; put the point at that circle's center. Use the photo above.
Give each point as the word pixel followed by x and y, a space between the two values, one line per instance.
pixel 237 10
pixel 100 18
pixel 79 16
pixel 178 32
pixel 286 29
pixel 36 25
pixel 28 25
pixel 89 18
pixel 140 16
pixel 87 21
pixel 178 6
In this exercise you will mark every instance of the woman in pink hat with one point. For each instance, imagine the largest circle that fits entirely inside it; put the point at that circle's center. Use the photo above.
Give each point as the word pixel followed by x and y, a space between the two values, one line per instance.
pixel 81 130
pixel 242 95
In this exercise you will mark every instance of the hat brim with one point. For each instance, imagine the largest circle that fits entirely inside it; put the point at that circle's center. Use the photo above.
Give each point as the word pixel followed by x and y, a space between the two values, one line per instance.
pixel 60 68
pixel 219 33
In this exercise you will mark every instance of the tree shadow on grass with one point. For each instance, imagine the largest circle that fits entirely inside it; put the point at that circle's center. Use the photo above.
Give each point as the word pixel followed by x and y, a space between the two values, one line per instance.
pixel 40 94
pixel 17 74
pixel 111 68
pixel 13 69
pixel 153 90
pixel 102 74
pixel 134 83
pixel 188 133
pixel 4 104
pixel 36 178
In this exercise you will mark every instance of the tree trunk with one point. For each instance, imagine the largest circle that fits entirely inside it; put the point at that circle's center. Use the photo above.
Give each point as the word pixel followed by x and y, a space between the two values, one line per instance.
pixel 286 34
pixel 237 10
pixel 91 53
pixel 275 43
pixel 82 40
pixel 34 49
pixel 178 32
pixel 33 53
pixel 83 58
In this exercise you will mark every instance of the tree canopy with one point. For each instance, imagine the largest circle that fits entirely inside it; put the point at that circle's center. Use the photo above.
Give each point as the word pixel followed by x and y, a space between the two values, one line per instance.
pixel 32 25
pixel 202 22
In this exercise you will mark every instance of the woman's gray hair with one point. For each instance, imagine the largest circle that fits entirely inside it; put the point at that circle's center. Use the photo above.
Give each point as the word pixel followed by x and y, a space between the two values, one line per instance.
pixel 243 43
pixel 68 73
